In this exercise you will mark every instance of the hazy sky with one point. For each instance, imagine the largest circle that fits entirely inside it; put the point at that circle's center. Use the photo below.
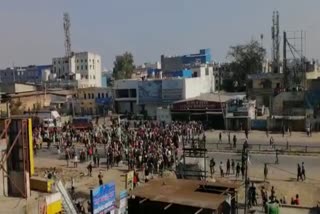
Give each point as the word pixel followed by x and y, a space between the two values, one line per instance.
pixel 31 31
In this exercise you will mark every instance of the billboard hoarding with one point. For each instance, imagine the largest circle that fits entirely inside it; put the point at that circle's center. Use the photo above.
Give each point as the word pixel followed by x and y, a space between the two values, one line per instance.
pixel 103 198
pixel 150 91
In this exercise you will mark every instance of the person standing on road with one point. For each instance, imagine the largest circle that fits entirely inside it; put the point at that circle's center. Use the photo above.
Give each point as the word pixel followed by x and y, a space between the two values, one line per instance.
pixel 89 167
pixel 299 175
pixel 233 166
pixel 221 169
pixel 234 141
pixel 100 176
pixel 237 170
pixel 246 133
pixel 220 137
pixel 265 172
pixel 303 172
pixel 228 167
pixel 212 165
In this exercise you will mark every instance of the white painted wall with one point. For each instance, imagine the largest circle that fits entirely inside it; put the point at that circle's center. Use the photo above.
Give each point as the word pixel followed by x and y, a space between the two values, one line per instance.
pixel 87 64
pixel 199 85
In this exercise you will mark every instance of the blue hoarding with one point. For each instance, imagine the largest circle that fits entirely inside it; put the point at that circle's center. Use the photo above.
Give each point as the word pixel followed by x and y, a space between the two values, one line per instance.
pixel 103 198
pixel 150 91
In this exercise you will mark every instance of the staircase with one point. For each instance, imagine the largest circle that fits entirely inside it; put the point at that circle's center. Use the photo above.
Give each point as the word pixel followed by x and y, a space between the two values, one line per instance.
pixel 67 203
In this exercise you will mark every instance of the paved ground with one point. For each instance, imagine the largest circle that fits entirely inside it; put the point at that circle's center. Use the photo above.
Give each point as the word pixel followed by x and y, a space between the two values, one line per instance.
pixel 259 137
pixel 283 175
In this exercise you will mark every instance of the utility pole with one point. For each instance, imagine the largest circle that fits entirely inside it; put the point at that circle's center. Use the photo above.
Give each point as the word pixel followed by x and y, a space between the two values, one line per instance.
pixel 246 155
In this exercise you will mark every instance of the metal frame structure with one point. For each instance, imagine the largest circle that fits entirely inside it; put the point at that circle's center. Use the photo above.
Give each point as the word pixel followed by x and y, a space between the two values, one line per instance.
pixel 7 159
pixel 200 152
pixel 294 51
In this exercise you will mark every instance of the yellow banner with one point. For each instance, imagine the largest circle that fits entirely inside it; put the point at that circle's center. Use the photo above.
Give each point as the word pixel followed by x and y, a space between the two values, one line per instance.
pixel 31 160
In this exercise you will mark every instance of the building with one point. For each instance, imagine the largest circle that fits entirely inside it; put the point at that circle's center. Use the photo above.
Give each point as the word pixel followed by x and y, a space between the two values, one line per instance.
pixel 85 67
pixel 263 87
pixel 179 196
pixel 175 63
pixel 29 74
pixel 21 102
pixel 93 101
pixel 12 88
pixel 146 95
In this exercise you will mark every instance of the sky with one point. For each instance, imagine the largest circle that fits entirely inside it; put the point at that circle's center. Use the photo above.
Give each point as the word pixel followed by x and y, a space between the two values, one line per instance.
pixel 31 31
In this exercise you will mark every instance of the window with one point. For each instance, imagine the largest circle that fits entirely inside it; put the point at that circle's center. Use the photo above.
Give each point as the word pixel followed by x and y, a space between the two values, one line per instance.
pixel 77 68
pixel 92 60
pixel 81 60
pixel 81 76
pixel 92 95
pixel 86 77
pixel 86 67
pixel 90 66
pixel 86 60
pixel 102 94
pixel 98 95
pixel 94 77
pixel 89 95
pixel 77 60
pixel 84 96
pixel 81 67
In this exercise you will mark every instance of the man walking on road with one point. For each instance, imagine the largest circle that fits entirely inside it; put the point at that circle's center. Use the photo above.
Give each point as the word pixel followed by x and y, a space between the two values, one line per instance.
pixel 237 170
pixel 265 172
pixel 299 174
pixel 212 165
pixel 220 137
pixel 234 141
pixel 228 167
pixel 221 169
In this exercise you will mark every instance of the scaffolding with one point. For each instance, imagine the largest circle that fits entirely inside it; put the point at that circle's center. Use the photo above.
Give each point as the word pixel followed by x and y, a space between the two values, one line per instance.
pixel 15 164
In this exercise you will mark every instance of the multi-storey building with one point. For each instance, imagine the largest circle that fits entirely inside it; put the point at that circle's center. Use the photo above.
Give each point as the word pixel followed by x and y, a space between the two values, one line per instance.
pixel 185 61
pixel 85 67
pixel 28 74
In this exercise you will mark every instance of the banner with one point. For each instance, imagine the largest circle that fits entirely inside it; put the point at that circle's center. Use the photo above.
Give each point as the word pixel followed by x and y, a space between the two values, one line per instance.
pixel 150 91
pixel 103 198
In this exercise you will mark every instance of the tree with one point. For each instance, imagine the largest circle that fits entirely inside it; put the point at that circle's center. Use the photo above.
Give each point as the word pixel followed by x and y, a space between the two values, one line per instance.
pixel 246 59
pixel 123 66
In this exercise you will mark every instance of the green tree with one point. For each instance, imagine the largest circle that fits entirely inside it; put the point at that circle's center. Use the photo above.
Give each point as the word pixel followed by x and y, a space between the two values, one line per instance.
pixel 245 59
pixel 123 66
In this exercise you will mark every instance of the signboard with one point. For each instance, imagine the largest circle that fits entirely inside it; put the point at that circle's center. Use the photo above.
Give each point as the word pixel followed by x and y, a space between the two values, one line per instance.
pixel 197 105
pixel 123 202
pixel 129 180
pixel 150 91
pixel 172 89
pixel 103 198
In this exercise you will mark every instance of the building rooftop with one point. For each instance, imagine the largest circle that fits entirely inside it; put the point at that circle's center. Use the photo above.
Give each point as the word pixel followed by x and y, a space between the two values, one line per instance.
pixel 183 192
